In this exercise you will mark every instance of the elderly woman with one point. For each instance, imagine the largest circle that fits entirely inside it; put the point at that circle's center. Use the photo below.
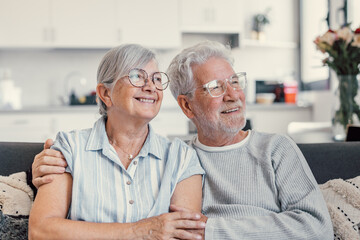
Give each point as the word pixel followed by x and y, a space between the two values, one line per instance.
pixel 121 177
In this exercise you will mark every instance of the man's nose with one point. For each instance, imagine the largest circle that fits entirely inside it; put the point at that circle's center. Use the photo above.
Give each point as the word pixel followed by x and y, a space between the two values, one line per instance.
pixel 232 94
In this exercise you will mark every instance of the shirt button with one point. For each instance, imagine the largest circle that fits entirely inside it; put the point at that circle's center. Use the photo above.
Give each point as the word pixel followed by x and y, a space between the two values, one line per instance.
pixel 128 182
pixel 135 162
pixel 131 201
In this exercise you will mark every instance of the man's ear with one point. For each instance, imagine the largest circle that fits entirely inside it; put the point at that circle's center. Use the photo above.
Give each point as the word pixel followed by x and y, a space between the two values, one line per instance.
pixel 104 94
pixel 185 106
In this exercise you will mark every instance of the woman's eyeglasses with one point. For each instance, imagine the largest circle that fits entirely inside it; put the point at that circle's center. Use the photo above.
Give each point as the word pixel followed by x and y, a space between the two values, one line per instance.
pixel 139 77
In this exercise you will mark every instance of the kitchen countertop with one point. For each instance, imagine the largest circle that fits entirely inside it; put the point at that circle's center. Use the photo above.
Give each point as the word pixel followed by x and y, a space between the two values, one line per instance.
pixel 53 109
pixel 94 108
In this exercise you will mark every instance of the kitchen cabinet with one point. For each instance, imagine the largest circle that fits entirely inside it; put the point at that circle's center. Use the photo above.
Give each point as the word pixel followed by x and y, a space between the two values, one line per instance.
pixel 23 127
pixel 275 118
pixel 22 27
pixel 88 23
pixel 38 125
pixel 153 24
pixel 210 16
pixel 56 23
pixel 82 23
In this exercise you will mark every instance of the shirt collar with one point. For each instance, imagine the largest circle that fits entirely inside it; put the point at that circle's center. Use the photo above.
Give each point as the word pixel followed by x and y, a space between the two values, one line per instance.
pixel 195 142
pixel 98 140
pixel 152 145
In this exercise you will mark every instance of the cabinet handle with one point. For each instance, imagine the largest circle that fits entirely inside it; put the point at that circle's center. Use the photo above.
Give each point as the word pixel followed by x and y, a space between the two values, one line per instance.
pixel 21 122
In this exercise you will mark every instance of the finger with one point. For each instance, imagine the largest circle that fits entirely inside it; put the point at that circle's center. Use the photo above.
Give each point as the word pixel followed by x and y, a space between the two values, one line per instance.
pixel 52 161
pixel 183 234
pixel 52 153
pixel 188 224
pixel 47 165
pixel 48 143
pixel 184 215
pixel 48 169
pixel 39 181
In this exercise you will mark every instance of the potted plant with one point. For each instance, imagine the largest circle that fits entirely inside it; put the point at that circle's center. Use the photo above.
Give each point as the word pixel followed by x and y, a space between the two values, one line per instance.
pixel 259 21
pixel 342 50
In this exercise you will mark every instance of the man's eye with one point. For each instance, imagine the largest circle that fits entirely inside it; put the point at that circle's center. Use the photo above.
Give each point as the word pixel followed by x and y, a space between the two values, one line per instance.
pixel 213 88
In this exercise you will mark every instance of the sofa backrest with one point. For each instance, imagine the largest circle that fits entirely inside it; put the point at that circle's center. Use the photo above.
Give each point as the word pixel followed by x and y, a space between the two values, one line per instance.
pixel 17 156
pixel 332 160
pixel 326 160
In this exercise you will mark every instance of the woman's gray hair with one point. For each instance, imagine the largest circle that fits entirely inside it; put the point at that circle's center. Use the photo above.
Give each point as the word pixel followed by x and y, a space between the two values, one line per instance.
pixel 117 63
pixel 180 69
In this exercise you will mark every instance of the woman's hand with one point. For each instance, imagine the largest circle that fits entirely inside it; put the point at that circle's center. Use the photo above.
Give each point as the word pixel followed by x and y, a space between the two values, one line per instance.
pixel 203 218
pixel 46 163
pixel 176 225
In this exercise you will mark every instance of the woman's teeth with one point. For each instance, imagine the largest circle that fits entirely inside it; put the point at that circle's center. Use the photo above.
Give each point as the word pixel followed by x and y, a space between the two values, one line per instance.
pixel 146 100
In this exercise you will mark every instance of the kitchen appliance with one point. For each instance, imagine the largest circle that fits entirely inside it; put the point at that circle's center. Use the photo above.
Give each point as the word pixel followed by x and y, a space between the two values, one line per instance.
pixel 10 95
pixel 275 87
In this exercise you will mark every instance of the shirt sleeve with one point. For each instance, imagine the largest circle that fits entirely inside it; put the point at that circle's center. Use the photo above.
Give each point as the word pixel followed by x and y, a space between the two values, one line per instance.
pixel 303 214
pixel 62 144
pixel 188 161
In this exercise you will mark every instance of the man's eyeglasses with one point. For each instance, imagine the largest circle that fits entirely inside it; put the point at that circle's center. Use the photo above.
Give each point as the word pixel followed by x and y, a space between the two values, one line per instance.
pixel 217 88
pixel 139 77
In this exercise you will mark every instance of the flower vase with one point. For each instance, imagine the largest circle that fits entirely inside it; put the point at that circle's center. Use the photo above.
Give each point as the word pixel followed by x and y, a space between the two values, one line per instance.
pixel 346 105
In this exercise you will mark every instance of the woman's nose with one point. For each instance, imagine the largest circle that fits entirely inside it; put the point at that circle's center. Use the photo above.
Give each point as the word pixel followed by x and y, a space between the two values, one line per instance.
pixel 149 85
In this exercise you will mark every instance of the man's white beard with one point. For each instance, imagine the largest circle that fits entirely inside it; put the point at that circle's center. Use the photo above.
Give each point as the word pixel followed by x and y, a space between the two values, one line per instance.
pixel 210 130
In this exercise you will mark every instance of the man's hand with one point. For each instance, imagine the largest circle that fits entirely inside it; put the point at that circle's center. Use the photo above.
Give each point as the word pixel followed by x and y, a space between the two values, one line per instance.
pixel 203 218
pixel 46 163
pixel 175 225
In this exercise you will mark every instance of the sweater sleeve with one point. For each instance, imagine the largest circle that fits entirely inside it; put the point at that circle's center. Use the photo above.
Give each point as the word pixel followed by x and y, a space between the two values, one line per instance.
pixel 303 214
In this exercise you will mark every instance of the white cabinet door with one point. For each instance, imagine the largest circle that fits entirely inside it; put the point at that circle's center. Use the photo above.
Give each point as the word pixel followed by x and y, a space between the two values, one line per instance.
pixel 211 16
pixel 152 24
pixel 24 127
pixel 83 23
pixel 24 23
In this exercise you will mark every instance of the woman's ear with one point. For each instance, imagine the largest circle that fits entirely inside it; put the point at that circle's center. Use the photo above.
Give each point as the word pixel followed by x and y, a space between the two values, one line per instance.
pixel 185 106
pixel 104 94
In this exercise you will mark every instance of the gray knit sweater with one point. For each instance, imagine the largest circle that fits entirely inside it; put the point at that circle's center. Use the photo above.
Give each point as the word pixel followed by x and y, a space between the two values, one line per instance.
pixel 261 188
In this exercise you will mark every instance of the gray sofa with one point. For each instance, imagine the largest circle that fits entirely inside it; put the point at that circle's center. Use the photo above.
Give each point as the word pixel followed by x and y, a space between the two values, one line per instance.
pixel 326 160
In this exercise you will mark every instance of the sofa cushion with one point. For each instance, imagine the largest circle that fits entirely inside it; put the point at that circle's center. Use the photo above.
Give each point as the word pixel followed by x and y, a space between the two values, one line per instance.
pixel 16 199
pixel 343 201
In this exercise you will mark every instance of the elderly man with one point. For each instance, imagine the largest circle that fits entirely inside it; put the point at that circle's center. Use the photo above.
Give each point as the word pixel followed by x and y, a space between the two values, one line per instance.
pixel 257 185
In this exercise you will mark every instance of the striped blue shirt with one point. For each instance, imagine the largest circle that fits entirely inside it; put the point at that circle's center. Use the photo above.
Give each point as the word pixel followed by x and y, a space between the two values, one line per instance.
pixel 104 191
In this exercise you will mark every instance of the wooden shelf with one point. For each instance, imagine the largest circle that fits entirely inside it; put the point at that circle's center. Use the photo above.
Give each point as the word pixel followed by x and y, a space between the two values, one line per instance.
pixel 268 44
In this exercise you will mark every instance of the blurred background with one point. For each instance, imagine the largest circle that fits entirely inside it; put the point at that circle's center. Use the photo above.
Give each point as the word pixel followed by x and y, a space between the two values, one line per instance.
pixel 50 51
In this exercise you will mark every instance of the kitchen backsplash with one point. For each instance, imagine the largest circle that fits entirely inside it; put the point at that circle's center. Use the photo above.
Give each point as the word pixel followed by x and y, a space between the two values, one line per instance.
pixel 45 75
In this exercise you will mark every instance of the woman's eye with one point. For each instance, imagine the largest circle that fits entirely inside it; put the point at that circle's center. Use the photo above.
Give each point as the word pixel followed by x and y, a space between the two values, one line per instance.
pixel 158 79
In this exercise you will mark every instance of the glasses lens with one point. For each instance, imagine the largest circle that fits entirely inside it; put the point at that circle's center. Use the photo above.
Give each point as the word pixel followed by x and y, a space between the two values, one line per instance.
pixel 216 87
pixel 137 77
pixel 161 80
pixel 238 81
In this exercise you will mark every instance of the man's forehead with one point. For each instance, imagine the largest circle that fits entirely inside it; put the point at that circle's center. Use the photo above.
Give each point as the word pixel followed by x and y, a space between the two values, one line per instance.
pixel 213 68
